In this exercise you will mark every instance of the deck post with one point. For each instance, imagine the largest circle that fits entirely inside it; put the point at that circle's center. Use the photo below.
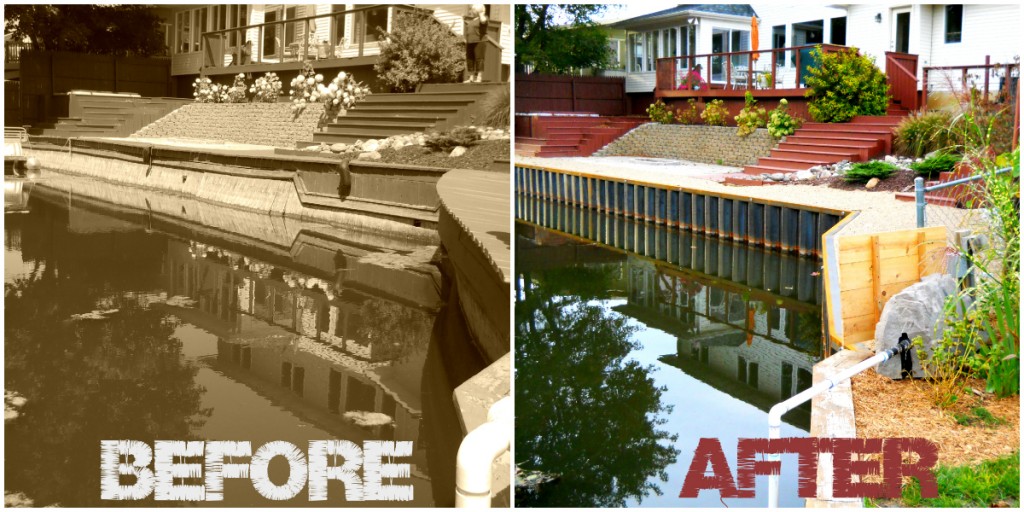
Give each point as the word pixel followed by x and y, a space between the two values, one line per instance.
pixel 919 200
pixel 775 67
pixel 988 65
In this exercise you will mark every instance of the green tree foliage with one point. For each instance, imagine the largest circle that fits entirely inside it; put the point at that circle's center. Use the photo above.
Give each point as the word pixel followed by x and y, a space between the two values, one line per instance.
pixel 418 50
pixel 84 28
pixel 845 84
pixel 557 38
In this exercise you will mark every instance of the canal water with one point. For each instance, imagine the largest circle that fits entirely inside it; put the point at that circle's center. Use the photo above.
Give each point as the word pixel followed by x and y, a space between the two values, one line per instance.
pixel 121 324
pixel 634 341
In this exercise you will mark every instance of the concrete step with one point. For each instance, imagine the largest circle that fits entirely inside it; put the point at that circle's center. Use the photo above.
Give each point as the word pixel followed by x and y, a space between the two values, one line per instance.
pixel 390 109
pixel 891 120
pixel 854 154
pixel 391 117
pixel 837 140
pixel 932 200
pixel 410 125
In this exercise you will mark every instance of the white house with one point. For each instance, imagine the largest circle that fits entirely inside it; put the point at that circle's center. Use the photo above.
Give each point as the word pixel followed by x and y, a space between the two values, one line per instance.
pixel 940 35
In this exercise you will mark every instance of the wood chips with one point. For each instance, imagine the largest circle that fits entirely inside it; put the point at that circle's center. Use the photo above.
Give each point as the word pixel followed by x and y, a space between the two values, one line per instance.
pixel 891 408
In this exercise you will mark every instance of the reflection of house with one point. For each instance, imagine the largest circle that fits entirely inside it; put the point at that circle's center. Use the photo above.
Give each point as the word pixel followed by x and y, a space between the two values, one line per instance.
pixel 211 39
pixel 768 344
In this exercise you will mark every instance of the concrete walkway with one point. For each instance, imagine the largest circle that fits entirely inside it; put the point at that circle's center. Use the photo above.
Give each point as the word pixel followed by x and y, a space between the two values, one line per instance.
pixel 879 211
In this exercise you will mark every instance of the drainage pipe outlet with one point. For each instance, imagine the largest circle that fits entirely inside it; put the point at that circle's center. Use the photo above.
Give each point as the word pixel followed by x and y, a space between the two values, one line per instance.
pixel 477 452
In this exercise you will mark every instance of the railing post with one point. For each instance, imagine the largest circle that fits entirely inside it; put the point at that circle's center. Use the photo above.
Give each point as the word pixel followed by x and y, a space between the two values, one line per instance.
pixel 775 67
pixel 924 89
pixel 919 200
pixel 988 62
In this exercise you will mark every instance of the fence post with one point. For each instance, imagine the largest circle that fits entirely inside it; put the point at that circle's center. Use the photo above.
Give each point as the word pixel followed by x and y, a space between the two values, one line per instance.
pixel 919 200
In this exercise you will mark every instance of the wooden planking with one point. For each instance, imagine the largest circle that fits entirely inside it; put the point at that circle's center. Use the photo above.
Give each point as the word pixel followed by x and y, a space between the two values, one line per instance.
pixel 874 267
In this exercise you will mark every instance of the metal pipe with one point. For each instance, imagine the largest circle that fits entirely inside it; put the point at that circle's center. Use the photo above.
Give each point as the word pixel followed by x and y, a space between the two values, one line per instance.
pixel 776 412
pixel 477 452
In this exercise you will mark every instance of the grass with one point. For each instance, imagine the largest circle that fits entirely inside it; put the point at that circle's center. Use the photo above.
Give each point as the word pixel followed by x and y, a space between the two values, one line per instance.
pixel 978 415
pixel 993 482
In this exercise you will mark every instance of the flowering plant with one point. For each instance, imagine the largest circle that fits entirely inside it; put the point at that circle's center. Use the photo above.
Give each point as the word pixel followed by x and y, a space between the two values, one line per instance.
pixel 340 93
pixel 266 89
pixel 204 90
pixel 236 93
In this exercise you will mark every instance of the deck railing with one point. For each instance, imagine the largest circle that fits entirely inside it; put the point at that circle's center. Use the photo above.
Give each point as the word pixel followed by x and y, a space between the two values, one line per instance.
pixel 12 50
pixel 745 70
pixel 297 40
pixel 995 82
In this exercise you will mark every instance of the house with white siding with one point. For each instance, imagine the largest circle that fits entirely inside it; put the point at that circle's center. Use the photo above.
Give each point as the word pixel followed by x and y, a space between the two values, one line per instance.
pixel 938 34
pixel 220 41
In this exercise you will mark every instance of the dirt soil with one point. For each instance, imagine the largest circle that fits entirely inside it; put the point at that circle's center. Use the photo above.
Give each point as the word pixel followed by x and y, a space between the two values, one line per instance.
pixel 904 408
pixel 479 156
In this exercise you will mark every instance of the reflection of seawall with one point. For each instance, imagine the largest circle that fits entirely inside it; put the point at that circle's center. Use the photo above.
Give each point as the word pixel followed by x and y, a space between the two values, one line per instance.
pixel 265 184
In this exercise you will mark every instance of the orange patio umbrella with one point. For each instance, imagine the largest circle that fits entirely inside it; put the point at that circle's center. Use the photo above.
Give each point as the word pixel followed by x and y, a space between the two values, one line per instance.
pixel 753 37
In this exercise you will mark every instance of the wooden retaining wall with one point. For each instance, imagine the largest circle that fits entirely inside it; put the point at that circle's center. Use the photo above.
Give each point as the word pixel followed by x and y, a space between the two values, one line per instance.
pixel 872 268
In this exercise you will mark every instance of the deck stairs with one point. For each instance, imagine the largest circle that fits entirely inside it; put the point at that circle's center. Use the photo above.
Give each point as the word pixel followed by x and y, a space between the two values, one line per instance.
pixel 573 135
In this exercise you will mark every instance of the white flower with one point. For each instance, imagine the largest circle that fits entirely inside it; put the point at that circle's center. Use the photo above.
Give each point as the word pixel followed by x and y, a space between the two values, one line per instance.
pixel 342 75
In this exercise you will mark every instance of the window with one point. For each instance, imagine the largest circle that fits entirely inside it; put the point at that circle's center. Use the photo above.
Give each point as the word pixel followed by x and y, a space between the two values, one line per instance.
pixel 838 31
pixel 726 41
pixel 954 23
pixel 669 40
pixel 376 18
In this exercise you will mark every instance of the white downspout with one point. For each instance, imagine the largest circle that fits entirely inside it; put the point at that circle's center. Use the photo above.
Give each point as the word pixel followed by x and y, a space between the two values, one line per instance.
pixel 477 452
pixel 776 412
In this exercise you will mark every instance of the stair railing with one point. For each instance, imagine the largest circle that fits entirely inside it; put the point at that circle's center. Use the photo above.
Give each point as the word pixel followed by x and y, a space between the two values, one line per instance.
pixel 902 81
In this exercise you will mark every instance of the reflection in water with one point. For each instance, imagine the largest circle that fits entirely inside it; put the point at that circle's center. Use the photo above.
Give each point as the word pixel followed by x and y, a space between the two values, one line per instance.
pixel 581 393
pixel 711 334
pixel 196 338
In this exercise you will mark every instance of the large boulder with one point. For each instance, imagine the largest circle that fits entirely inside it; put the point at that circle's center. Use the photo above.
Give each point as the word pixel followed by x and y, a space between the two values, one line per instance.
pixel 918 310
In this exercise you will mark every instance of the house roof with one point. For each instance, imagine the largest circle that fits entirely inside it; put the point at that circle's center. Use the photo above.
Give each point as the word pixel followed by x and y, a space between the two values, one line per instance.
pixel 738 10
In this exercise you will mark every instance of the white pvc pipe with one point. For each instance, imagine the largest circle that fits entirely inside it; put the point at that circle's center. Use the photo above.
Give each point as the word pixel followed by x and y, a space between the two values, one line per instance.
pixel 477 453
pixel 777 410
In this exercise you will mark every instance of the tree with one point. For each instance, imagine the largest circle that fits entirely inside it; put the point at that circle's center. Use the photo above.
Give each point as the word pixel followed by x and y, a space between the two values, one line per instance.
pixel 83 28
pixel 557 38
pixel 419 49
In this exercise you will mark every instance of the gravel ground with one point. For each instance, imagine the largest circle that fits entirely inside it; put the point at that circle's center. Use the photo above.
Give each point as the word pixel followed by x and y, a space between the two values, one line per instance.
pixel 879 212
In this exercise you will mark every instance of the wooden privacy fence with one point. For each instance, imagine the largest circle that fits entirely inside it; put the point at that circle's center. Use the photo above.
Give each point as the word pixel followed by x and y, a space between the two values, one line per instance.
pixel 874 267
pixel 556 93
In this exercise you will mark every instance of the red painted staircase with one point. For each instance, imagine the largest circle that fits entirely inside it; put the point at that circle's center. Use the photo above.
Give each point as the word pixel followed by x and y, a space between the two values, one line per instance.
pixel 956 196
pixel 573 135
pixel 813 144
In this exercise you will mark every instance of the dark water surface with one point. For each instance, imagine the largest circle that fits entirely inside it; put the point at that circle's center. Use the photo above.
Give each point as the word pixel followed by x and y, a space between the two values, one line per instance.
pixel 122 326
pixel 626 357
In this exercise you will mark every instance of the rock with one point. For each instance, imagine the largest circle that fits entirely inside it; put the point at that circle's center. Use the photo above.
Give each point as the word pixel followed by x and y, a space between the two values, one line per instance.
pixel 777 176
pixel 872 183
pixel 339 147
pixel 803 175
pixel 371 145
pixel 891 159
pixel 327 152
pixel 933 153
pixel 421 139
pixel 787 177
pixel 918 310
pixel 368 155
pixel 458 151
pixel 311 148
pixel 816 168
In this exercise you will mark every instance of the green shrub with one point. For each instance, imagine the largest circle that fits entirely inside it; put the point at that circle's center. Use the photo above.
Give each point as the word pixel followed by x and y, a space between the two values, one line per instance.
pixel 497 108
pixel 931 167
pixel 462 136
pixel 862 172
pixel 688 115
pixel 751 117
pixel 714 113
pixel 659 112
pixel 845 84
pixel 419 49
pixel 780 123
pixel 922 132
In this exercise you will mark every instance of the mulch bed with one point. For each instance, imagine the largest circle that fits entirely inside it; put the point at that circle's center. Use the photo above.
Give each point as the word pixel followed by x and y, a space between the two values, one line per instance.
pixel 479 156
pixel 904 408
pixel 899 181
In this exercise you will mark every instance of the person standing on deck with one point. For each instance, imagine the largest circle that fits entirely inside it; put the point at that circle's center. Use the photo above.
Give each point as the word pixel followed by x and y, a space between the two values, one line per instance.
pixel 475 32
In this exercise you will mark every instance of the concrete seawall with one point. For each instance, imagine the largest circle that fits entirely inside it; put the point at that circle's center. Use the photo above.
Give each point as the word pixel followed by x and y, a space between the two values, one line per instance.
pixel 261 183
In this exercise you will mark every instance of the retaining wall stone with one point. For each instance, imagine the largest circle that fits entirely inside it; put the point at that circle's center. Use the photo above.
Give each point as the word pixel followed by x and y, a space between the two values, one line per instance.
pixel 695 143
pixel 269 124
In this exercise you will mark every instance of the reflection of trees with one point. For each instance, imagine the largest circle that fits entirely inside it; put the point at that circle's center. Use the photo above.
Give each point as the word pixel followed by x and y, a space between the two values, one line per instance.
pixel 85 381
pixel 394 330
pixel 584 411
